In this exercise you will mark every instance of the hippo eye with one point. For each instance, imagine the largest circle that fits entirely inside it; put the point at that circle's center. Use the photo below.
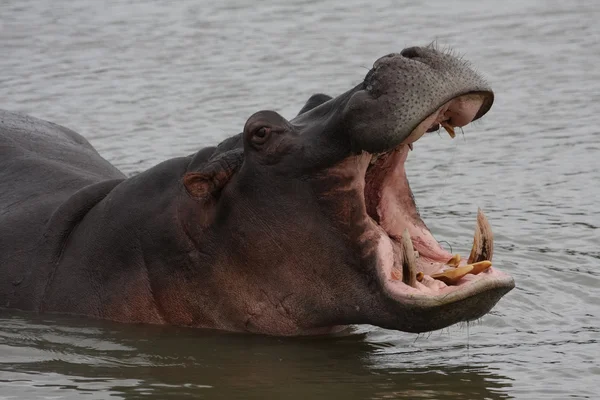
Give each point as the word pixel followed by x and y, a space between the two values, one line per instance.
pixel 261 135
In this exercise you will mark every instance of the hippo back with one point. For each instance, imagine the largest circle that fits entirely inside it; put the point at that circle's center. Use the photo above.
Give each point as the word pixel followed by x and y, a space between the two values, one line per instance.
pixel 41 166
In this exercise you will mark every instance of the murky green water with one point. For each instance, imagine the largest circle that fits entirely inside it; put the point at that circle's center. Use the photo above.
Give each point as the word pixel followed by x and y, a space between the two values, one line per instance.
pixel 145 81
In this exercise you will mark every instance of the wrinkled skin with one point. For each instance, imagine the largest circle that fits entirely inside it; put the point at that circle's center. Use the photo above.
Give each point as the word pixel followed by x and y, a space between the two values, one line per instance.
pixel 289 228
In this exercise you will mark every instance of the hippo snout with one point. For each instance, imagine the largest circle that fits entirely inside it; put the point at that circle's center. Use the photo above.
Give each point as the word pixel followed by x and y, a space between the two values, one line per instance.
pixel 404 89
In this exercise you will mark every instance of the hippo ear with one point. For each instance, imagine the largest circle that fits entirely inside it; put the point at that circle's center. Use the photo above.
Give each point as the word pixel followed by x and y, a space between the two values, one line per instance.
pixel 199 185
pixel 314 101
pixel 214 175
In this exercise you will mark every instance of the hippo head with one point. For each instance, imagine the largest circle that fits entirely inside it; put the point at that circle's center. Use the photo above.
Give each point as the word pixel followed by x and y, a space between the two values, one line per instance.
pixel 310 224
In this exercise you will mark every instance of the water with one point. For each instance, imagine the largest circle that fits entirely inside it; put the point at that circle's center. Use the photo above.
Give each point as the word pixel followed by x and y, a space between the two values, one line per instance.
pixel 145 81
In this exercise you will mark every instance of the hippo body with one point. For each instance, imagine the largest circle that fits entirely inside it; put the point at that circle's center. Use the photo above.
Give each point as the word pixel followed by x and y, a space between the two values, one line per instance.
pixel 277 230
pixel 42 167
pixel 63 239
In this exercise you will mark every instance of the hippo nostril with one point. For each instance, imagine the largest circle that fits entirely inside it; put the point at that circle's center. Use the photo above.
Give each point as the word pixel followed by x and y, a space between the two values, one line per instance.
pixel 410 52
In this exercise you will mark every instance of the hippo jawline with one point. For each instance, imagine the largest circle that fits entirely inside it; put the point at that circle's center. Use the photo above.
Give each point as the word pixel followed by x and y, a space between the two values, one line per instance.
pixel 413 269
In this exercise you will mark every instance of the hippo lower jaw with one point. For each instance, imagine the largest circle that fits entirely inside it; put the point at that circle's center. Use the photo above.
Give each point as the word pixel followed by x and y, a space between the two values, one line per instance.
pixel 415 272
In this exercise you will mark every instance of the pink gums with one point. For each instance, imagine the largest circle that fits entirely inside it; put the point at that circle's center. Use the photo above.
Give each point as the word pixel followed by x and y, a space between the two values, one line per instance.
pixel 390 202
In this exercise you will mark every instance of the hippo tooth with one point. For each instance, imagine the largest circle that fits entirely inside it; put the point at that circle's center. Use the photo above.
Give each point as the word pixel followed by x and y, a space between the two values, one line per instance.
pixel 408 260
pixel 483 241
pixel 480 266
pixel 454 261
pixel 449 128
pixel 373 158
pixel 451 276
pixel 420 276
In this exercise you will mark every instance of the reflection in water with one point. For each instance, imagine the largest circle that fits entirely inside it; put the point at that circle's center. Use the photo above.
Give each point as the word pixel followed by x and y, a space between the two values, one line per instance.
pixel 165 362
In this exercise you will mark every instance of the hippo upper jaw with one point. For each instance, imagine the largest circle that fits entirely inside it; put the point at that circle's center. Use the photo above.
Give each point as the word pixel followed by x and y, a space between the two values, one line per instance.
pixel 405 94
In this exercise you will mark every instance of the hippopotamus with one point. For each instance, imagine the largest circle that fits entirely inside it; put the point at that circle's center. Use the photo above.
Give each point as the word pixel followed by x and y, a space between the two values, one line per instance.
pixel 292 227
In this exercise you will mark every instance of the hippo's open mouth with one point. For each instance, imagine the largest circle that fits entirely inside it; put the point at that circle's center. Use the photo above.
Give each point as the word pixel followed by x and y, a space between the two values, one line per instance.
pixel 413 267
pixel 364 137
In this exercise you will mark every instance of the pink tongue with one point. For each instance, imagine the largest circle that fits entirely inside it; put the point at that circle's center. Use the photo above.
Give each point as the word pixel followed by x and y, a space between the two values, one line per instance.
pixel 397 210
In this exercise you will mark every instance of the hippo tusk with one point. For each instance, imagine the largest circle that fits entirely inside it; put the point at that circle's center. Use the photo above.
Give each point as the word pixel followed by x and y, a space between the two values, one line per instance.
pixel 373 159
pixel 408 260
pixel 451 276
pixel 480 266
pixel 483 241
pixel 449 128
pixel 454 261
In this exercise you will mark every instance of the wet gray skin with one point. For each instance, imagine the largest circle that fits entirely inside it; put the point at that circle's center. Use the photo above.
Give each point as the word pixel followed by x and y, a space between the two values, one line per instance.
pixel 289 228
